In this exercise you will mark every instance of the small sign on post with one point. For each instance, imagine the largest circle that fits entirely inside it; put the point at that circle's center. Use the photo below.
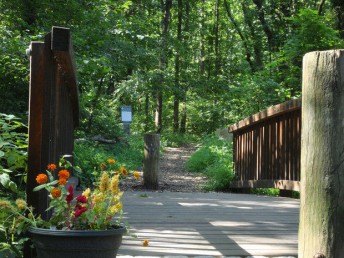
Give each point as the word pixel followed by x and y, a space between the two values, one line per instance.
pixel 126 117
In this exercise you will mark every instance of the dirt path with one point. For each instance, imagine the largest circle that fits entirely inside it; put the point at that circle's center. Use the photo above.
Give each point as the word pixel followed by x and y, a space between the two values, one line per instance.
pixel 173 176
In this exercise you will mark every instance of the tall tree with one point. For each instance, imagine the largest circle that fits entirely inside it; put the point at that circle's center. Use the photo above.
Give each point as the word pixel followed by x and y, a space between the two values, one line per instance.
pixel 241 35
pixel 338 7
pixel 165 23
pixel 177 68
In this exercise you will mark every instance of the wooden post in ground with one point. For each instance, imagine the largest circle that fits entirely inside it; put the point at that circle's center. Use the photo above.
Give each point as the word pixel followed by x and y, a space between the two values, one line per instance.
pixel 321 228
pixel 151 161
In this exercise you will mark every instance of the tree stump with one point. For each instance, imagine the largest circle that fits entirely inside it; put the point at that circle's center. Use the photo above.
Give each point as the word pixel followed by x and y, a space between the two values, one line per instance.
pixel 321 229
pixel 151 161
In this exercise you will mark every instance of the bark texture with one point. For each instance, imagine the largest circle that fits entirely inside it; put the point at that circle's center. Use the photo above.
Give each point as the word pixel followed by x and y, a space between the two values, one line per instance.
pixel 321 230
pixel 151 161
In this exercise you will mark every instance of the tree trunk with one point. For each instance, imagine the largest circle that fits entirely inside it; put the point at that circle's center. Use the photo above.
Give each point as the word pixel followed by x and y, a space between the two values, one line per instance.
pixel 177 69
pixel 151 161
pixel 268 32
pixel 186 39
pixel 216 34
pixel 338 6
pixel 163 61
pixel 202 40
pixel 321 229
pixel 256 39
pixel 241 35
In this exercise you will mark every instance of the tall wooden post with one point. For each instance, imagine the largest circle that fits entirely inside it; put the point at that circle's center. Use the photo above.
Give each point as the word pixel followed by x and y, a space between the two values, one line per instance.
pixel 151 161
pixel 321 230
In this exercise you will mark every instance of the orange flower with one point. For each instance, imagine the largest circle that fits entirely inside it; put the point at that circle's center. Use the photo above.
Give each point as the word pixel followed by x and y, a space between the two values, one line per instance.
pixel 111 161
pixel 145 242
pixel 102 166
pixel 64 174
pixel 55 192
pixel 52 167
pixel 42 179
pixel 62 181
pixel 123 170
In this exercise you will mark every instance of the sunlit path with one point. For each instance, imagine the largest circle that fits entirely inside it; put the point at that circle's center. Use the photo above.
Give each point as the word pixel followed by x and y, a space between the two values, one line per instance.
pixel 215 224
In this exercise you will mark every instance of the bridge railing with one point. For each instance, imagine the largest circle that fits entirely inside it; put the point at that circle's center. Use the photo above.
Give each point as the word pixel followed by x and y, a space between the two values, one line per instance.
pixel 267 148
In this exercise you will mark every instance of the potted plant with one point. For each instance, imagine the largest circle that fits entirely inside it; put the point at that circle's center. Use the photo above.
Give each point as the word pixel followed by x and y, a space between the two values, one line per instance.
pixel 82 224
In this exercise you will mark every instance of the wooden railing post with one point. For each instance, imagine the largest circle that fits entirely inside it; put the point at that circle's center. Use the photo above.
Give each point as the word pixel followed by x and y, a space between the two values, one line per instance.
pixel 53 108
pixel 321 228
pixel 151 161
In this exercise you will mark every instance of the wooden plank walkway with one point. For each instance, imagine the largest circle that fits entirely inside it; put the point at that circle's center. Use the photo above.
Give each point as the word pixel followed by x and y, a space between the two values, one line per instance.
pixel 209 224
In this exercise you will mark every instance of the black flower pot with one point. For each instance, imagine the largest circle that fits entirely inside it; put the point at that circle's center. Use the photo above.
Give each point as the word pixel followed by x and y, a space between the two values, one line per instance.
pixel 76 243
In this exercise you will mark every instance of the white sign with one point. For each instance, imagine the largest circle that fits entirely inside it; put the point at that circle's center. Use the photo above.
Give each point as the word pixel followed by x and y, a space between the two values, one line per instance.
pixel 126 114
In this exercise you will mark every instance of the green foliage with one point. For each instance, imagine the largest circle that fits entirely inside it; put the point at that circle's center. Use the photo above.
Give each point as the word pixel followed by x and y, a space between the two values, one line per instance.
pixel 311 32
pixel 213 159
pixel 89 155
pixel 15 220
pixel 171 139
pixel 13 154
pixel 266 191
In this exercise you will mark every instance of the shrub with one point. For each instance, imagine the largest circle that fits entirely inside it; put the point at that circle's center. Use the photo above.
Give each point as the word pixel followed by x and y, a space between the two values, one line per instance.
pixel 13 154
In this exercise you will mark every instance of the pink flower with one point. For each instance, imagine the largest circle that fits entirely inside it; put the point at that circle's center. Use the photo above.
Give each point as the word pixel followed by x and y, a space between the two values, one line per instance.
pixel 69 196
pixel 81 198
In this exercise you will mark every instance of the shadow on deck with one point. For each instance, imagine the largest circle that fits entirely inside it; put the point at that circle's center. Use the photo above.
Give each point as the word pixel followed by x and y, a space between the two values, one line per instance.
pixel 209 224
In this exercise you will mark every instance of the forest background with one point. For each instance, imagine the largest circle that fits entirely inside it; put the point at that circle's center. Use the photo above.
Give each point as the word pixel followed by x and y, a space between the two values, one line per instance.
pixel 183 66
pixel 186 68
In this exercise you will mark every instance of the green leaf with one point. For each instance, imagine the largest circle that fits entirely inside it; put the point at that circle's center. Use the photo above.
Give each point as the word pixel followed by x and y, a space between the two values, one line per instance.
pixel 7 183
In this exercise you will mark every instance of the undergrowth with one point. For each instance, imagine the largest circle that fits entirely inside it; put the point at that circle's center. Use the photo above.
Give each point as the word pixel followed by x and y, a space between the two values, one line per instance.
pixel 214 159
pixel 88 155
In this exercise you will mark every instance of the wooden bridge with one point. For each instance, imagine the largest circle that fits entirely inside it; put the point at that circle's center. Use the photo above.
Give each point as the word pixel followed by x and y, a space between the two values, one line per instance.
pixel 209 224
pixel 267 151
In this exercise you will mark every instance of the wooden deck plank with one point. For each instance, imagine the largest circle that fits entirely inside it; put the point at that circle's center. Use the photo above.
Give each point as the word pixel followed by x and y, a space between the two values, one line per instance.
pixel 210 224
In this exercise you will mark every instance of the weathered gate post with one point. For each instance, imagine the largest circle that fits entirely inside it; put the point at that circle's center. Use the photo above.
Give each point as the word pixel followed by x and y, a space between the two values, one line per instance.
pixel 321 230
pixel 151 160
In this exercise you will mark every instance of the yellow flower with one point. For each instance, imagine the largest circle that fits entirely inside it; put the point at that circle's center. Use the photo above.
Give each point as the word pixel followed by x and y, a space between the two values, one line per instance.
pixel 104 182
pixel 145 242
pixel 136 175
pixel 114 184
pixel 99 198
pixel 5 204
pixel 87 193
pixel 116 208
pixel 21 204
pixel 111 161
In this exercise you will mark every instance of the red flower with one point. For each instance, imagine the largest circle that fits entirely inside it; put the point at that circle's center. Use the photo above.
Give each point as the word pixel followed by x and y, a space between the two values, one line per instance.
pixel 80 211
pixel 51 167
pixel 81 198
pixel 69 197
